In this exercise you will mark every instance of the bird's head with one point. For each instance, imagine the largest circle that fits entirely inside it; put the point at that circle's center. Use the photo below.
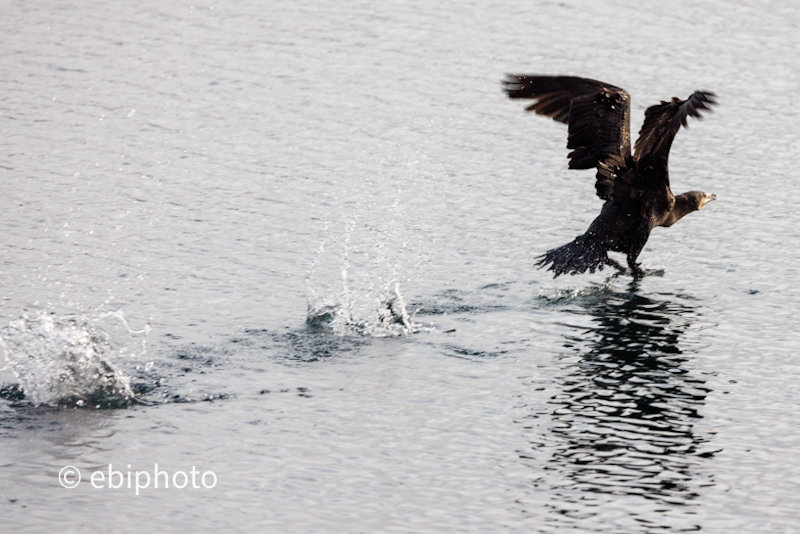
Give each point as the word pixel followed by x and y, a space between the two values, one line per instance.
pixel 693 200
pixel 706 198
pixel 685 204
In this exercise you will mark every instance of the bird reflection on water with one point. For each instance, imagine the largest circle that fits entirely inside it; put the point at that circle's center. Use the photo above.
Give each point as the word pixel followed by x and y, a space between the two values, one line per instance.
pixel 623 425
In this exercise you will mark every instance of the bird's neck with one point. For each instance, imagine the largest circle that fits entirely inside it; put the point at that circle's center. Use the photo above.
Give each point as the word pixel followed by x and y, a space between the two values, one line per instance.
pixel 685 204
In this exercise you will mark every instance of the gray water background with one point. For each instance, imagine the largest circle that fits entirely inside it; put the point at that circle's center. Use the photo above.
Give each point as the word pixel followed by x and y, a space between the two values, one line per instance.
pixel 213 170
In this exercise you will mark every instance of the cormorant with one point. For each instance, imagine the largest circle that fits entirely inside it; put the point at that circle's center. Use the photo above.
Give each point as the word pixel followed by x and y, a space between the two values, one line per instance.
pixel 634 186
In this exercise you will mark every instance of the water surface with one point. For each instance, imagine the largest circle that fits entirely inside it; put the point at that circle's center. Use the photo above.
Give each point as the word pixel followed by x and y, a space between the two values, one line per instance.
pixel 294 245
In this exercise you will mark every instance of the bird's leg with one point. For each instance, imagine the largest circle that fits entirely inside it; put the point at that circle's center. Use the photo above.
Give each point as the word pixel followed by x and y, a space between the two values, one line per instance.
pixel 615 264
pixel 635 267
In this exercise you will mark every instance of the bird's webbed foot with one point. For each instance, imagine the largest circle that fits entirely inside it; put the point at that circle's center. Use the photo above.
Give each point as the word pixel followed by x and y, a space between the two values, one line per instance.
pixel 636 269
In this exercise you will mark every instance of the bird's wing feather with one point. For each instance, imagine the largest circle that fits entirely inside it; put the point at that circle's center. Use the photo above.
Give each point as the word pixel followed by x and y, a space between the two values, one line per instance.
pixel 661 123
pixel 597 115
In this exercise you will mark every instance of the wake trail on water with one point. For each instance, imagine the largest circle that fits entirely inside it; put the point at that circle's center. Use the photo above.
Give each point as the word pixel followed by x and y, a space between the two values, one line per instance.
pixel 69 360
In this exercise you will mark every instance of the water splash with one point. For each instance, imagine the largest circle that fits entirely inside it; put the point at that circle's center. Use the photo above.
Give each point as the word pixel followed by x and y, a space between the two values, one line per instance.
pixel 66 361
pixel 366 300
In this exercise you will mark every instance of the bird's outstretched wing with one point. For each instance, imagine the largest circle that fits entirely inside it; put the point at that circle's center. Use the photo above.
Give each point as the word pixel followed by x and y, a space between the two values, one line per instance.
pixel 661 123
pixel 597 115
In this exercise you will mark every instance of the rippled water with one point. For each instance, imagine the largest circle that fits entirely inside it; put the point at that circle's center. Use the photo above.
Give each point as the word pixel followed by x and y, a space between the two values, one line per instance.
pixel 293 245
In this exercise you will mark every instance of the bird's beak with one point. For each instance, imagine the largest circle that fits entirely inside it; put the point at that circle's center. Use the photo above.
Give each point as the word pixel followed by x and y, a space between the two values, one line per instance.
pixel 709 198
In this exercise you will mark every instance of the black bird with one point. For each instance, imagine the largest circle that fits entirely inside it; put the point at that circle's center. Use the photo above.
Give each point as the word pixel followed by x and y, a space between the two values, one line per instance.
pixel 634 186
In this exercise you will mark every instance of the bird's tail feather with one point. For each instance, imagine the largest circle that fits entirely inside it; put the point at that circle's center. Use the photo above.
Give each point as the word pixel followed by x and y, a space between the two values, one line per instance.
pixel 577 256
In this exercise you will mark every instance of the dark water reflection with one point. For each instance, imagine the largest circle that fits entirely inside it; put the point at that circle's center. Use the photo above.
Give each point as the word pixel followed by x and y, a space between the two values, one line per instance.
pixel 624 420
